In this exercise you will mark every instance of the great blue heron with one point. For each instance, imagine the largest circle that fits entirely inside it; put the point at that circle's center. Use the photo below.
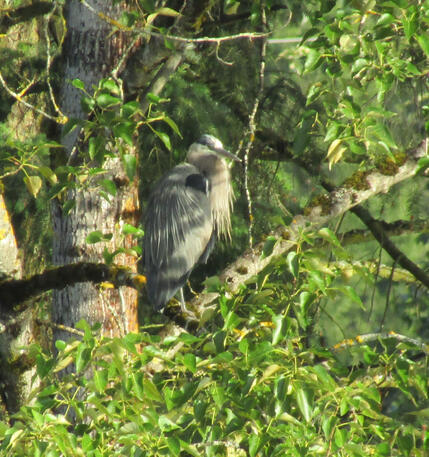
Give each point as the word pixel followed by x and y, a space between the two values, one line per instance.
pixel 189 207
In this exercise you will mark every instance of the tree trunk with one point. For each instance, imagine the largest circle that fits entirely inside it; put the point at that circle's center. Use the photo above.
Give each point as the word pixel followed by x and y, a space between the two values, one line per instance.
pixel 91 50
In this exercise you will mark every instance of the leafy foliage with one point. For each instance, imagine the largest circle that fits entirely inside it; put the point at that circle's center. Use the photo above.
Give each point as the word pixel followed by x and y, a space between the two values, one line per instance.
pixel 249 388
pixel 264 377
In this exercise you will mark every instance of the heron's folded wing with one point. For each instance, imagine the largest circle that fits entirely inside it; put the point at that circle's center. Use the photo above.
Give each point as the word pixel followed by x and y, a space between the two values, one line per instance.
pixel 177 231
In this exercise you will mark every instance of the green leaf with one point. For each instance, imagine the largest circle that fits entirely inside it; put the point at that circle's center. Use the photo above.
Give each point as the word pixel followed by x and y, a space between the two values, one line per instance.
pixel 173 125
pixel 151 392
pixel 173 445
pixel 166 424
pixel 68 206
pixel 292 260
pixel 385 19
pixel 83 356
pixel 423 41
pixel 105 100
pixel 34 184
pixel 280 328
pixel 351 293
pixel 333 131
pixel 381 132
pixel 96 236
pixel 111 86
pixel 130 163
pixel 164 138
pixel 313 60
pixel 128 229
pixel 254 442
pixel 190 362
pixel 70 125
pixel 125 131
pixel 410 24
pixel 422 165
pixel 304 403
pixel 130 108
pixel 78 84
pixel 109 186
pixel 269 244
pixel 328 235
pixel 48 174
pixel 100 380
pixel 340 437
pixel 165 11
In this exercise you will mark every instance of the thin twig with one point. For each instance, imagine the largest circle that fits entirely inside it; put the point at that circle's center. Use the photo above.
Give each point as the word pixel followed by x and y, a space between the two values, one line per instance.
pixel 150 32
pixel 17 97
pixel 252 127
pixel 49 63
pixel 61 327
pixel 389 289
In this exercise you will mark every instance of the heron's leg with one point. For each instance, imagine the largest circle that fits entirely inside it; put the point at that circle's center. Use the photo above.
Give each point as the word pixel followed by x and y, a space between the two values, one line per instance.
pixel 182 299
pixel 183 307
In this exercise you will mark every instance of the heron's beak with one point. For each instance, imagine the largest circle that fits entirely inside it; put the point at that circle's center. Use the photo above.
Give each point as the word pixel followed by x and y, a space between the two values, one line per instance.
pixel 228 155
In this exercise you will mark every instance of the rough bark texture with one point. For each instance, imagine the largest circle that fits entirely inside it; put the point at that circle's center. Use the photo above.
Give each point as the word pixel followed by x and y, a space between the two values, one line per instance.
pixel 91 50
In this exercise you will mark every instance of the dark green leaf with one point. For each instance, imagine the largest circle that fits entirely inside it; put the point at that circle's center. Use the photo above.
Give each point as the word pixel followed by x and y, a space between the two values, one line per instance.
pixel 269 244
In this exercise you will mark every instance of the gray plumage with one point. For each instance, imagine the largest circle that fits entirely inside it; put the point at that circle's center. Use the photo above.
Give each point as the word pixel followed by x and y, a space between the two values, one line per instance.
pixel 188 208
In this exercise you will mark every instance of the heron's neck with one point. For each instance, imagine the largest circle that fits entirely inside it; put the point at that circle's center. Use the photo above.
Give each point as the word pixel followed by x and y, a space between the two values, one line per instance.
pixel 216 170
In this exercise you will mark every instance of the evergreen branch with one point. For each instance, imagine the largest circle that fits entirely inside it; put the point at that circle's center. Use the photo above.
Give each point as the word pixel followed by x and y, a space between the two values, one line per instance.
pixel 161 78
pixel 11 17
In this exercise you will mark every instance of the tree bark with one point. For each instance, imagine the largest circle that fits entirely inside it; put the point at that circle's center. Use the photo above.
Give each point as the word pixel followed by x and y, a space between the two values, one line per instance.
pixel 91 50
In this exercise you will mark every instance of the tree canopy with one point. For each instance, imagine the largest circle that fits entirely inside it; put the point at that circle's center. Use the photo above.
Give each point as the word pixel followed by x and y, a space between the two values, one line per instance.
pixel 313 324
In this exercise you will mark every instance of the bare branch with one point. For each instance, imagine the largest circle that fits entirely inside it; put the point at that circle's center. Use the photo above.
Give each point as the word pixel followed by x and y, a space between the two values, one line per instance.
pixel 376 228
pixel 18 97
pixel 252 127
pixel 371 337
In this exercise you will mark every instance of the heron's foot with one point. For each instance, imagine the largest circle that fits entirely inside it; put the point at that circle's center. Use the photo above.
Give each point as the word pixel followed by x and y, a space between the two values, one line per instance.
pixel 188 283
pixel 188 313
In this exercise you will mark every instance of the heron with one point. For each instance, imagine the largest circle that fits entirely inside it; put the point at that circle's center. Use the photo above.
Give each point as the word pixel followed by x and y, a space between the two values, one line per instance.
pixel 188 209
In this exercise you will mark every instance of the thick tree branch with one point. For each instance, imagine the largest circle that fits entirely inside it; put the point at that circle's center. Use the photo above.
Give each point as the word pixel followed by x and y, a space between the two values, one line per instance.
pixel 376 228
pixel 379 232
pixel 336 203
pixel 16 291
pixel 330 206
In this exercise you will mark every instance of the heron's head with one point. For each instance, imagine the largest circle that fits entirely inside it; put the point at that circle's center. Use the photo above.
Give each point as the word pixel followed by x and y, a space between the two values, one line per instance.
pixel 214 144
